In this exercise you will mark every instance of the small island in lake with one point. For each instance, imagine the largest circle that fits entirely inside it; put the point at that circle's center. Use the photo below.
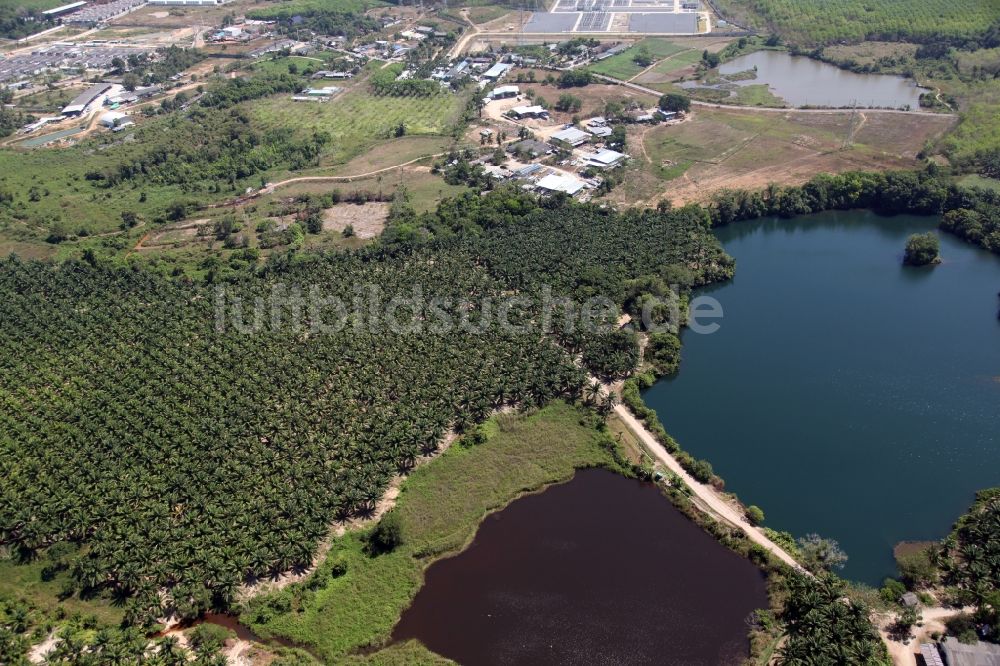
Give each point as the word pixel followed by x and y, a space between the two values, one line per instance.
pixel 922 250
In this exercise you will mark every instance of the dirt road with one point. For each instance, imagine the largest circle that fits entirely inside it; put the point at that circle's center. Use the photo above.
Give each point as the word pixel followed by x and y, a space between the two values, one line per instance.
pixel 345 179
pixel 459 47
pixel 931 619
pixel 706 494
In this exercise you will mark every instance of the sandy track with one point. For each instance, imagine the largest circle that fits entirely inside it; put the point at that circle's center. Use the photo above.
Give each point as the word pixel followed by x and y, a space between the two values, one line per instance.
pixel 705 494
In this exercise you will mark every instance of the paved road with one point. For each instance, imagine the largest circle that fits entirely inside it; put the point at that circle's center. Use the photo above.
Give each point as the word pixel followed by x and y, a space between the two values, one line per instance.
pixel 703 492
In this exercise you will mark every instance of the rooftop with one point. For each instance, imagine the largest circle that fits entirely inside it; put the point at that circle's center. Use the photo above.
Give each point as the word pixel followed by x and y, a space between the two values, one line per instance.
pixel 504 90
pixel 977 654
pixel 533 146
pixel 559 183
pixel 528 110
pixel 571 135
pixel 497 70
pixel 606 157
pixel 930 654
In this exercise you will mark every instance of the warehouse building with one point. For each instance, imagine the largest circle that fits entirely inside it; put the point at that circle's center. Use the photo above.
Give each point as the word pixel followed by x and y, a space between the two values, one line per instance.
pixel 497 71
pixel 605 159
pixel 86 98
pixel 114 120
pixel 560 183
pixel 571 135
pixel 59 12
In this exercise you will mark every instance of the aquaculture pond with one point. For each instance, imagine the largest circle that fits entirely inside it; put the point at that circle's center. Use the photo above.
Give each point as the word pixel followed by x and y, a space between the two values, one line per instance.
pixel 844 393
pixel 599 570
pixel 802 81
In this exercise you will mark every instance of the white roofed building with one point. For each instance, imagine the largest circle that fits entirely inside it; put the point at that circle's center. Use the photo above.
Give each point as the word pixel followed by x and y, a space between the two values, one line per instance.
pixel 605 159
pixel 497 71
pixel 560 183
pixel 502 92
pixel 535 111
pixel 571 135
pixel 111 119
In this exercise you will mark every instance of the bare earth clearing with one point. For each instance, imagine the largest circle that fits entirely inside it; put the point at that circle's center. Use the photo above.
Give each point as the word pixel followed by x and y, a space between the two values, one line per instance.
pixel 367 219
pixel 732 149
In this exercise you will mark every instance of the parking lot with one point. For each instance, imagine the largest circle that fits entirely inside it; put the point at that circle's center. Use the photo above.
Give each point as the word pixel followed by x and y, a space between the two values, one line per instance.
pixel 63 57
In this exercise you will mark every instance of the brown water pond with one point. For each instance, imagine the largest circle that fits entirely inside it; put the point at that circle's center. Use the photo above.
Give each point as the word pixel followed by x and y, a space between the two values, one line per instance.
pixel 599 570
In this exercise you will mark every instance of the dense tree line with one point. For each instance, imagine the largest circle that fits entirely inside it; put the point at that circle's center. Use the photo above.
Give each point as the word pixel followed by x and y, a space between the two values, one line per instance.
pixel 159 68
pixel 214 145
pixel 970 213
pixel 242 89
pixel 210 148
pixel 184 459
pixel 574 78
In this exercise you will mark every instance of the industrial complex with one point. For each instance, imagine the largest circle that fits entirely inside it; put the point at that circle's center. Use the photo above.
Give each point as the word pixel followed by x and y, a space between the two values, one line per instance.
pixel 666 17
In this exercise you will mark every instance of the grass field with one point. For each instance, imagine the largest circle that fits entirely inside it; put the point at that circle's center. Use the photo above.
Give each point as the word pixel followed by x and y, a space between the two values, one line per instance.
pixel 757 94
pixel 670 69
pixel 280 65
pixel 440 508
pixel 487 13
pixel 48 100
pixel 51 188
pixel 25 580
pixel 357 119
pixel 813 22
pixel 622 66
pixel 393 152
pixel 975 180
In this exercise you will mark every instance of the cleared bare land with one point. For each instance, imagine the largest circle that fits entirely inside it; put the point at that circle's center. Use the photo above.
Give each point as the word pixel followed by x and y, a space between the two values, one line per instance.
pixel 718 149
pixel 367 219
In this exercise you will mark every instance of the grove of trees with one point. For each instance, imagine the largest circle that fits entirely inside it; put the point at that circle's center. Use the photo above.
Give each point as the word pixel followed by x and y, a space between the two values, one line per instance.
pixel 181 459
pixel 824 627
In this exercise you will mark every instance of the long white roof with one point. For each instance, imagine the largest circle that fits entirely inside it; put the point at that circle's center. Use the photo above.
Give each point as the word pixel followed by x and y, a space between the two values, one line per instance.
pixel 559 183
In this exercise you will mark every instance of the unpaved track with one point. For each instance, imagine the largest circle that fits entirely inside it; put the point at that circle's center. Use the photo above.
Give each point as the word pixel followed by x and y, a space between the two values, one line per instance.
pixel 344 179
pixel 706 494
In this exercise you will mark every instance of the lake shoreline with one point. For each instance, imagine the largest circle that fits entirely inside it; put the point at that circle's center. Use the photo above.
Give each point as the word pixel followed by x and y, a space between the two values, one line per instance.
pixel 960 257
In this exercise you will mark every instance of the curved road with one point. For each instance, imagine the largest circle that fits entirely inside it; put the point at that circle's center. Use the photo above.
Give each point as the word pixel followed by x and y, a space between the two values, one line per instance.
pixel 345 179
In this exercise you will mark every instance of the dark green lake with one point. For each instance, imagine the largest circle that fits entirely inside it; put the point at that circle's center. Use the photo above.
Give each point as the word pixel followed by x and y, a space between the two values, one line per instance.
pixel 845 394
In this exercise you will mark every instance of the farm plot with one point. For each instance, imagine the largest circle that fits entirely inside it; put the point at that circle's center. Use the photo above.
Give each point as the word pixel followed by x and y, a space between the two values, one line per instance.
pixel 358 119
pixel 677 66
